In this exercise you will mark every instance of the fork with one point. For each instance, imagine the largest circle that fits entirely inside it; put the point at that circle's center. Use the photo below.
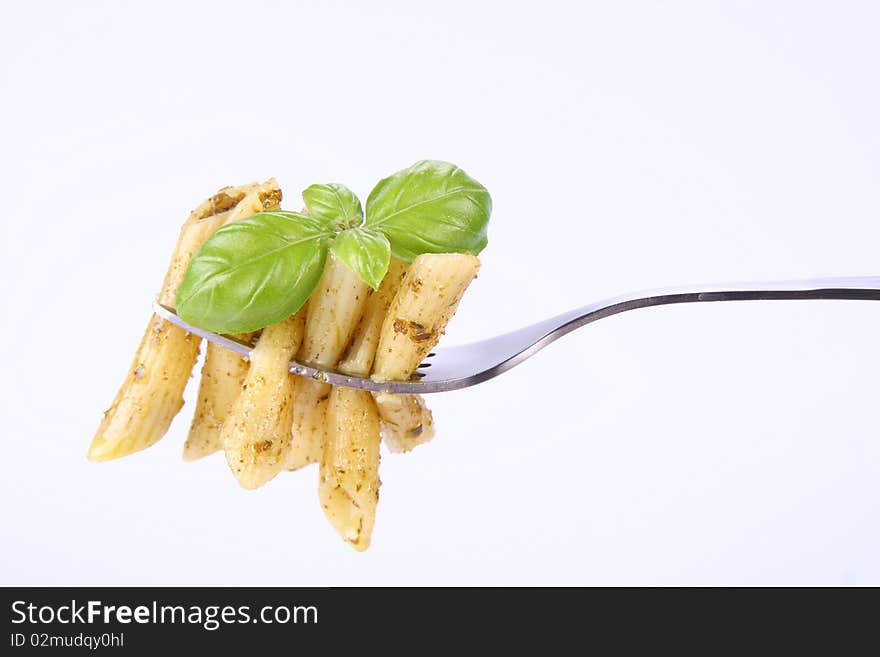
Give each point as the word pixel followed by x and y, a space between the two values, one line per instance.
pixel 453 368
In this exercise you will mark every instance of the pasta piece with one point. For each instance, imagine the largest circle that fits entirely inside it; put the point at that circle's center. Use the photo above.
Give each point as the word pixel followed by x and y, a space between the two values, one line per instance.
pixel 406 421
pixel 309 422
pixel 256 434
pixel 361 353
pixel 223 374
pixel 152 392
pixel 335 307
pixel 223 371
pixel 428 297
pixel 348 486
pixel 349 475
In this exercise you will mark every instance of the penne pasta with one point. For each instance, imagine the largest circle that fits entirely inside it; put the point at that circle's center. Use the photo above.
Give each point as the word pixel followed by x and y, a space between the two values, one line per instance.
pixel 426 300
pixel 308 426
pixel 428 297
pixel 223 371
pixel 362 351
pixel 256 434
pixel 152 392
pixel 348 486
pixel 334 311
pixel 407 422
pixel 406 419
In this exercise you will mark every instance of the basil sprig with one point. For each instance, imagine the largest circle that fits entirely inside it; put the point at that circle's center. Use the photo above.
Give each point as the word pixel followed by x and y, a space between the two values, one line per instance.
pixel 255 272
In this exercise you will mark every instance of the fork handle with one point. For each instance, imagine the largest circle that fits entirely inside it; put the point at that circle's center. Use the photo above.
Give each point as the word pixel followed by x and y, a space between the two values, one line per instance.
pixel 856 288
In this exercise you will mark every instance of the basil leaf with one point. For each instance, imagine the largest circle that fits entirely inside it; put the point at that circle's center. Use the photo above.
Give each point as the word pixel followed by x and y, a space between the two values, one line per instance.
pixel 431 207
pixel 254 272
pixel 335 204
pixel 366 252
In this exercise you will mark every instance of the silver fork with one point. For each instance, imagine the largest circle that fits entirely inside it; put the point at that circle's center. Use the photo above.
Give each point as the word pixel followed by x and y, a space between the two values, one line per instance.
pixel 452 368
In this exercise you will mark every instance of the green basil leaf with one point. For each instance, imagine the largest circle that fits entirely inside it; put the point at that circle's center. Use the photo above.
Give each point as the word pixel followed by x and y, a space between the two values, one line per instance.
pixel 366 252
pixel 431 207
pixel 254 272
pixel 335 204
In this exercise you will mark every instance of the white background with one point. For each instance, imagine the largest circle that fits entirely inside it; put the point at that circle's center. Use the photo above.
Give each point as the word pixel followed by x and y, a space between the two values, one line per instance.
pixel 626 146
